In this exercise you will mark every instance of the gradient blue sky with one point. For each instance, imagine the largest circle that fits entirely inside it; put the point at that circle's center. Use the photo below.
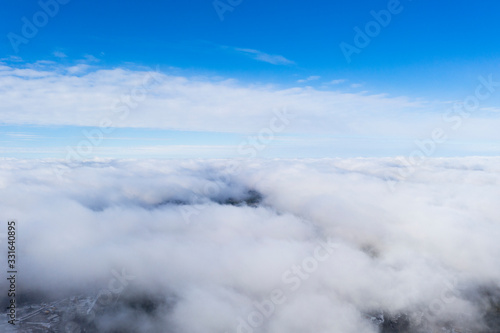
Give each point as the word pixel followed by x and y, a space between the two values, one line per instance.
pixel 431 54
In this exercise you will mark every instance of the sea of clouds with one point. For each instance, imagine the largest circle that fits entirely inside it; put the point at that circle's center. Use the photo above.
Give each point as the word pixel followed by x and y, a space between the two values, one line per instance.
pixel 278 246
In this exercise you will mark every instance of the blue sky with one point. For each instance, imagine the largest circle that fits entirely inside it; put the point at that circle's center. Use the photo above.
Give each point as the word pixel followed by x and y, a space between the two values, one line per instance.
pixel 429 53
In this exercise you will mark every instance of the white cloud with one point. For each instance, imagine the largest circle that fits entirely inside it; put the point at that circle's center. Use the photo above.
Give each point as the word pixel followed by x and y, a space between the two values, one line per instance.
pixel 91 58
pixel 25 136
pixel 60 54
pixel 85 96
pixel 433 242
pixel 491 109
pixel 133 151
pixel 12 58
pixel 265 57
pixel 310 78
pixel 78 69
pixel 338 81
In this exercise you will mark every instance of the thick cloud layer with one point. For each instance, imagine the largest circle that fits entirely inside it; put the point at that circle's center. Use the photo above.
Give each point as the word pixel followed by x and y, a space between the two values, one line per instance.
pixel 261 246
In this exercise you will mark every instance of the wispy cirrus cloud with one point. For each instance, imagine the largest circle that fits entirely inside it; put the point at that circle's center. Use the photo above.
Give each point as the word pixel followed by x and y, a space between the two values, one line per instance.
pixel 265 57
pixel 23 136
pixel 59 54
pixel 337 81
pixel 310 78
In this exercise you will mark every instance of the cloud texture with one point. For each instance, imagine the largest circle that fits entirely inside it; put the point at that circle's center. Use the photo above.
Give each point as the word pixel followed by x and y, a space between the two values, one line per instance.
pixel 83 95
pixel 262 246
